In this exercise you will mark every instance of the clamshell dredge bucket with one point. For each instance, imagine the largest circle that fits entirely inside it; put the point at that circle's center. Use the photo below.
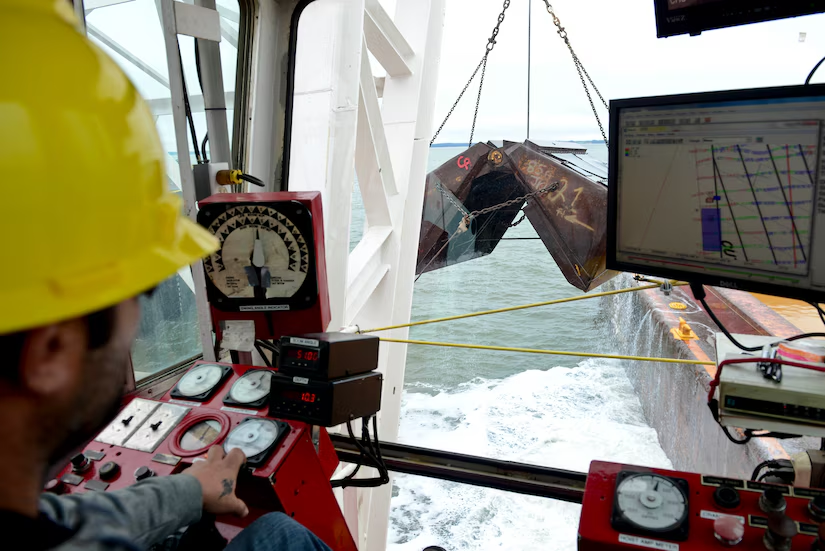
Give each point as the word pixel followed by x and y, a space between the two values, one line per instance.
pixel 568 213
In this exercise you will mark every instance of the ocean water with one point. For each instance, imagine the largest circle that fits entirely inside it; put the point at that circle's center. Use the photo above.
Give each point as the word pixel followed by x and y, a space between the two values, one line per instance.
pixel 554 411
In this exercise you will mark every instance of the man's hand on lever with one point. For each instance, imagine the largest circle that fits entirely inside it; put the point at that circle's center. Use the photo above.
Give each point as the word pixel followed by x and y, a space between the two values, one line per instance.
pixel 218 476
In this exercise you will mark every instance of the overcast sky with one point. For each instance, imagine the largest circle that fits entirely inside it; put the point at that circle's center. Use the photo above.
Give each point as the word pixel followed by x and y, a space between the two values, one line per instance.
pixel 615 39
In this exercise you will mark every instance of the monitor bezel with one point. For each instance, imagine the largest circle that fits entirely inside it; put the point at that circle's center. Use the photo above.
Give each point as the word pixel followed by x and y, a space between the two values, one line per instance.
pixel 616 106
pixel 731 13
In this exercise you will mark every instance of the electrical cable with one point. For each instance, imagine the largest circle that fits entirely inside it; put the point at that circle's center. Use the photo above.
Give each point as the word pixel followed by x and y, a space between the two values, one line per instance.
pixel 818 311
pixel 203 147
pixel 252 179
pixel 734 440
pixel 263 355
pixel 188 110
pixel 365 453
pixel 811 74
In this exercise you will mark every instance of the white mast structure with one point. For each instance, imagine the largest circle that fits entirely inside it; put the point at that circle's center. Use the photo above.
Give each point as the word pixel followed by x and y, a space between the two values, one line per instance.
pixel 346 122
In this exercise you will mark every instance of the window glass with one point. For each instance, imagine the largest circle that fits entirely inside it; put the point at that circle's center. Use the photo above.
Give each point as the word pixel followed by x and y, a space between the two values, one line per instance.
pixel 131 33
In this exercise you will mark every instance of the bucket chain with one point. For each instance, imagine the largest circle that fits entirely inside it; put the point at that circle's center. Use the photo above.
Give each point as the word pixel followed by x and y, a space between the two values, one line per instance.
pixel 581 70
pixel 491 43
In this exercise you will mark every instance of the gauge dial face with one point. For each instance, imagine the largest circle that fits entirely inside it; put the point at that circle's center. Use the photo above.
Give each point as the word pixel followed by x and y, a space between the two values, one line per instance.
pixel 200 435
pixel 199 380
pixel 253 437
pixel 651 502
pixel 263 254
pixel 251 387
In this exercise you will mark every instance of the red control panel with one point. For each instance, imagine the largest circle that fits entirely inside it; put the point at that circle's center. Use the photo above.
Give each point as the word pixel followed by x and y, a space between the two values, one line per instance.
pixel 289 464
pixel 627 507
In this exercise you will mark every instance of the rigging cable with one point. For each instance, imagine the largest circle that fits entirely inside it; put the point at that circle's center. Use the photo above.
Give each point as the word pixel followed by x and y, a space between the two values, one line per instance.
pixel 188 109
pixel 521 307
pixel 491 43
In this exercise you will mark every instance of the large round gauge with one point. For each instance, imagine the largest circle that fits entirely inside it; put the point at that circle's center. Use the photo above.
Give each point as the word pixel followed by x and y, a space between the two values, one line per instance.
pixel 200 382
pixel 265 260
pixel 251 389
pixel 651 503
pixel 256 438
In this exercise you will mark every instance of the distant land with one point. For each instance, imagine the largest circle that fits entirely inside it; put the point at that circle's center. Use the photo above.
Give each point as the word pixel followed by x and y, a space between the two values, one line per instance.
pixel 464 144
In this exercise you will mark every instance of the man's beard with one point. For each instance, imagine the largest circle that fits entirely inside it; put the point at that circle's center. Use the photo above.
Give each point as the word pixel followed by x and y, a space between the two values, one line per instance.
pixel 98 403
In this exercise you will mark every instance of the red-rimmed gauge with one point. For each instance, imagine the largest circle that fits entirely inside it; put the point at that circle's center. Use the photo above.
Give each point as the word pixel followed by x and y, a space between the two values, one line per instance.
pixel 199 432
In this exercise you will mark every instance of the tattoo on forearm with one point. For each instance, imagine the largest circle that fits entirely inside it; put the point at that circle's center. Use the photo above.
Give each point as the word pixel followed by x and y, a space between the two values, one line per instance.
pixel 227 488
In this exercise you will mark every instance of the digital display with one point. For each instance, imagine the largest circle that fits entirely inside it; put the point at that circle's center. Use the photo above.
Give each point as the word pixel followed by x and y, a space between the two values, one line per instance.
pixel 301 354
pixel 294 395
pixel 721 192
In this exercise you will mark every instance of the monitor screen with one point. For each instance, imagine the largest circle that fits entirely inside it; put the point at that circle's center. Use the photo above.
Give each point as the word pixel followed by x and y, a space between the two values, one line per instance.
pixel 721 188
pixel 674 17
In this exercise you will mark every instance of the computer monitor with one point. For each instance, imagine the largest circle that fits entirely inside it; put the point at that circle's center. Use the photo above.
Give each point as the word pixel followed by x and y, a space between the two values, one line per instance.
pixel 674 17
pixel 721 188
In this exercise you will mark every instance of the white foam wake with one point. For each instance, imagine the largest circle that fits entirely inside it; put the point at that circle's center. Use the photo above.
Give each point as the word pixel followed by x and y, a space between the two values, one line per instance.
pixel 562 418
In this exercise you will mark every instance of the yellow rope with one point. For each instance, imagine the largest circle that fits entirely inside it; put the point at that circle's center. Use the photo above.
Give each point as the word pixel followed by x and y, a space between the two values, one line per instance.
pixel 522 307
pixel 552 352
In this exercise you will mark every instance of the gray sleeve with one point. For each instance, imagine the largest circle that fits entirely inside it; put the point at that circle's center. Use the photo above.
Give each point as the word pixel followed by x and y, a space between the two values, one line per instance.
pixel 135 517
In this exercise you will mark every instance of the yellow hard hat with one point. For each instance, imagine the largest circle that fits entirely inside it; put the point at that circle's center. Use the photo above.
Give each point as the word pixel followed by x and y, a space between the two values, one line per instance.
pixel 87 220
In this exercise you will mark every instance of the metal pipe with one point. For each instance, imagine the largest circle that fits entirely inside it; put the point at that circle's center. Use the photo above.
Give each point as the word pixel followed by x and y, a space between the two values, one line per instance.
pixel 478 471
pixel 213 96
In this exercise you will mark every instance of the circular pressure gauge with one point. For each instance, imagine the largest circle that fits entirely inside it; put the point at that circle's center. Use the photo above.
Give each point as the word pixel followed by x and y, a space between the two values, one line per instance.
pixel 256 438
pixel 200 382
pixel 266 256
pixel 652 504
pixel 251 389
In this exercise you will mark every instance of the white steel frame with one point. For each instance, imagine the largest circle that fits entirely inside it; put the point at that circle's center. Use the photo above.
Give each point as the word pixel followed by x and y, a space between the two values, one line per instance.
pixel 340 129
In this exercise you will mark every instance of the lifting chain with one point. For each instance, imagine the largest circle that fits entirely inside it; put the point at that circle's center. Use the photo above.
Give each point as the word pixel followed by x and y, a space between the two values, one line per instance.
pixel 482 65
pixel 452 199
pixel 476 213
pixel 581 70
pixel 520 220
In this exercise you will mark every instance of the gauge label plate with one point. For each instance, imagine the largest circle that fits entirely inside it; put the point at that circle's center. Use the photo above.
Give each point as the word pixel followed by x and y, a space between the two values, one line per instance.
pixel 147 438
pixel 648 543
pixel 134 415
pixel 242 411
pixel 185 403
pixel 265 308
pixel 713 515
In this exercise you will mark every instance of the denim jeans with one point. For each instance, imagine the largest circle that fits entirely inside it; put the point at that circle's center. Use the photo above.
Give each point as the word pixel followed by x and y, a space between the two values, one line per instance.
pixel 276 532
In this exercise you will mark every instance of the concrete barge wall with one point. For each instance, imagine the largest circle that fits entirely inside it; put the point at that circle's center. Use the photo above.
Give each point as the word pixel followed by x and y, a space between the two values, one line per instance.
pixel 674 396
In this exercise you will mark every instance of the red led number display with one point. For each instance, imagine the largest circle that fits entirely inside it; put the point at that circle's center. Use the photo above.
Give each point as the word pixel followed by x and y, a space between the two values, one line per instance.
pixel 308 355
pixel 307 397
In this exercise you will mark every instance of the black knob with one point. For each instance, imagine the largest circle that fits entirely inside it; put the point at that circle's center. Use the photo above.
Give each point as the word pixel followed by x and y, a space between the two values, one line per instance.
pixel 772 501
pixel 80 463
pixel 780 533
pixel 816 507
pixel 726 497
pixel 55 486
pixel 108 470
pixel 143 472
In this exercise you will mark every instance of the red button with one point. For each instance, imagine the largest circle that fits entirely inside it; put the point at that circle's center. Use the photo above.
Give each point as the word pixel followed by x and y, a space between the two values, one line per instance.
pixel 728 530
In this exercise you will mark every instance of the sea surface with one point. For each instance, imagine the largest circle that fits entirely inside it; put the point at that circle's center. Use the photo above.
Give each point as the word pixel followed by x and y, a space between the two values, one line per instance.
pixel 554 411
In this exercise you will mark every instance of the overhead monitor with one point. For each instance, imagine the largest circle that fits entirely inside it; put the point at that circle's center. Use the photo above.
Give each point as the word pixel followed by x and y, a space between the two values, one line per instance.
pixel 721 188
pixel 694 16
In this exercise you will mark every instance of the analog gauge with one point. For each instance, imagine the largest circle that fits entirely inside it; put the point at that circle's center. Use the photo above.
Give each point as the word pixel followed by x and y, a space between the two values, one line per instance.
pixel 651 502
pixel 252 387
pixel 200 435
pixel 255 438
pixel 263 254
pixel 200 380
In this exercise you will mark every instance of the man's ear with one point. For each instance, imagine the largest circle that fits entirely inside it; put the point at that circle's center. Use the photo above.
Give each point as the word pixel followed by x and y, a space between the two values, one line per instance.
pixel 52 359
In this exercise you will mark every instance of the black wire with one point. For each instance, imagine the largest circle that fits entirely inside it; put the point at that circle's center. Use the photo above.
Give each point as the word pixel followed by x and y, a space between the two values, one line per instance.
pixel 263 355
pixel 742 442
pixel 768 463
pixel 818 311
pixel 252 180
pixel 725 331
pixel 811 74
pixel 349 480
pixel 188 109
pixel 203 147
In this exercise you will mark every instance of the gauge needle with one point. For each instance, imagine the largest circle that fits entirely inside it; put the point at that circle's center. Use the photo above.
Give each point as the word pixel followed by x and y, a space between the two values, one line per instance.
pixel 258 259
pixel 656 486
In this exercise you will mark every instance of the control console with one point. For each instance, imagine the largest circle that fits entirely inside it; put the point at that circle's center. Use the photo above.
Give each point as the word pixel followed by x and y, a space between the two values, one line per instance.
pixel 628 507
pixel 289 463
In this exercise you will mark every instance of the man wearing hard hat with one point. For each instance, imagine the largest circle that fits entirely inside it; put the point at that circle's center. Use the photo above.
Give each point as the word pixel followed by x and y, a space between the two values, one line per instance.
pixel 88 226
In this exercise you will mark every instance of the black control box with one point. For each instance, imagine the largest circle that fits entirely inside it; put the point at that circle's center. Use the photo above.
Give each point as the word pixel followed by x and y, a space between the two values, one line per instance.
pixel 325 403
pixel 328 356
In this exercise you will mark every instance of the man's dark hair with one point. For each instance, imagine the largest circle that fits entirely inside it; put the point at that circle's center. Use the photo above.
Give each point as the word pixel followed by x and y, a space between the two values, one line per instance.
pixel 101 328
